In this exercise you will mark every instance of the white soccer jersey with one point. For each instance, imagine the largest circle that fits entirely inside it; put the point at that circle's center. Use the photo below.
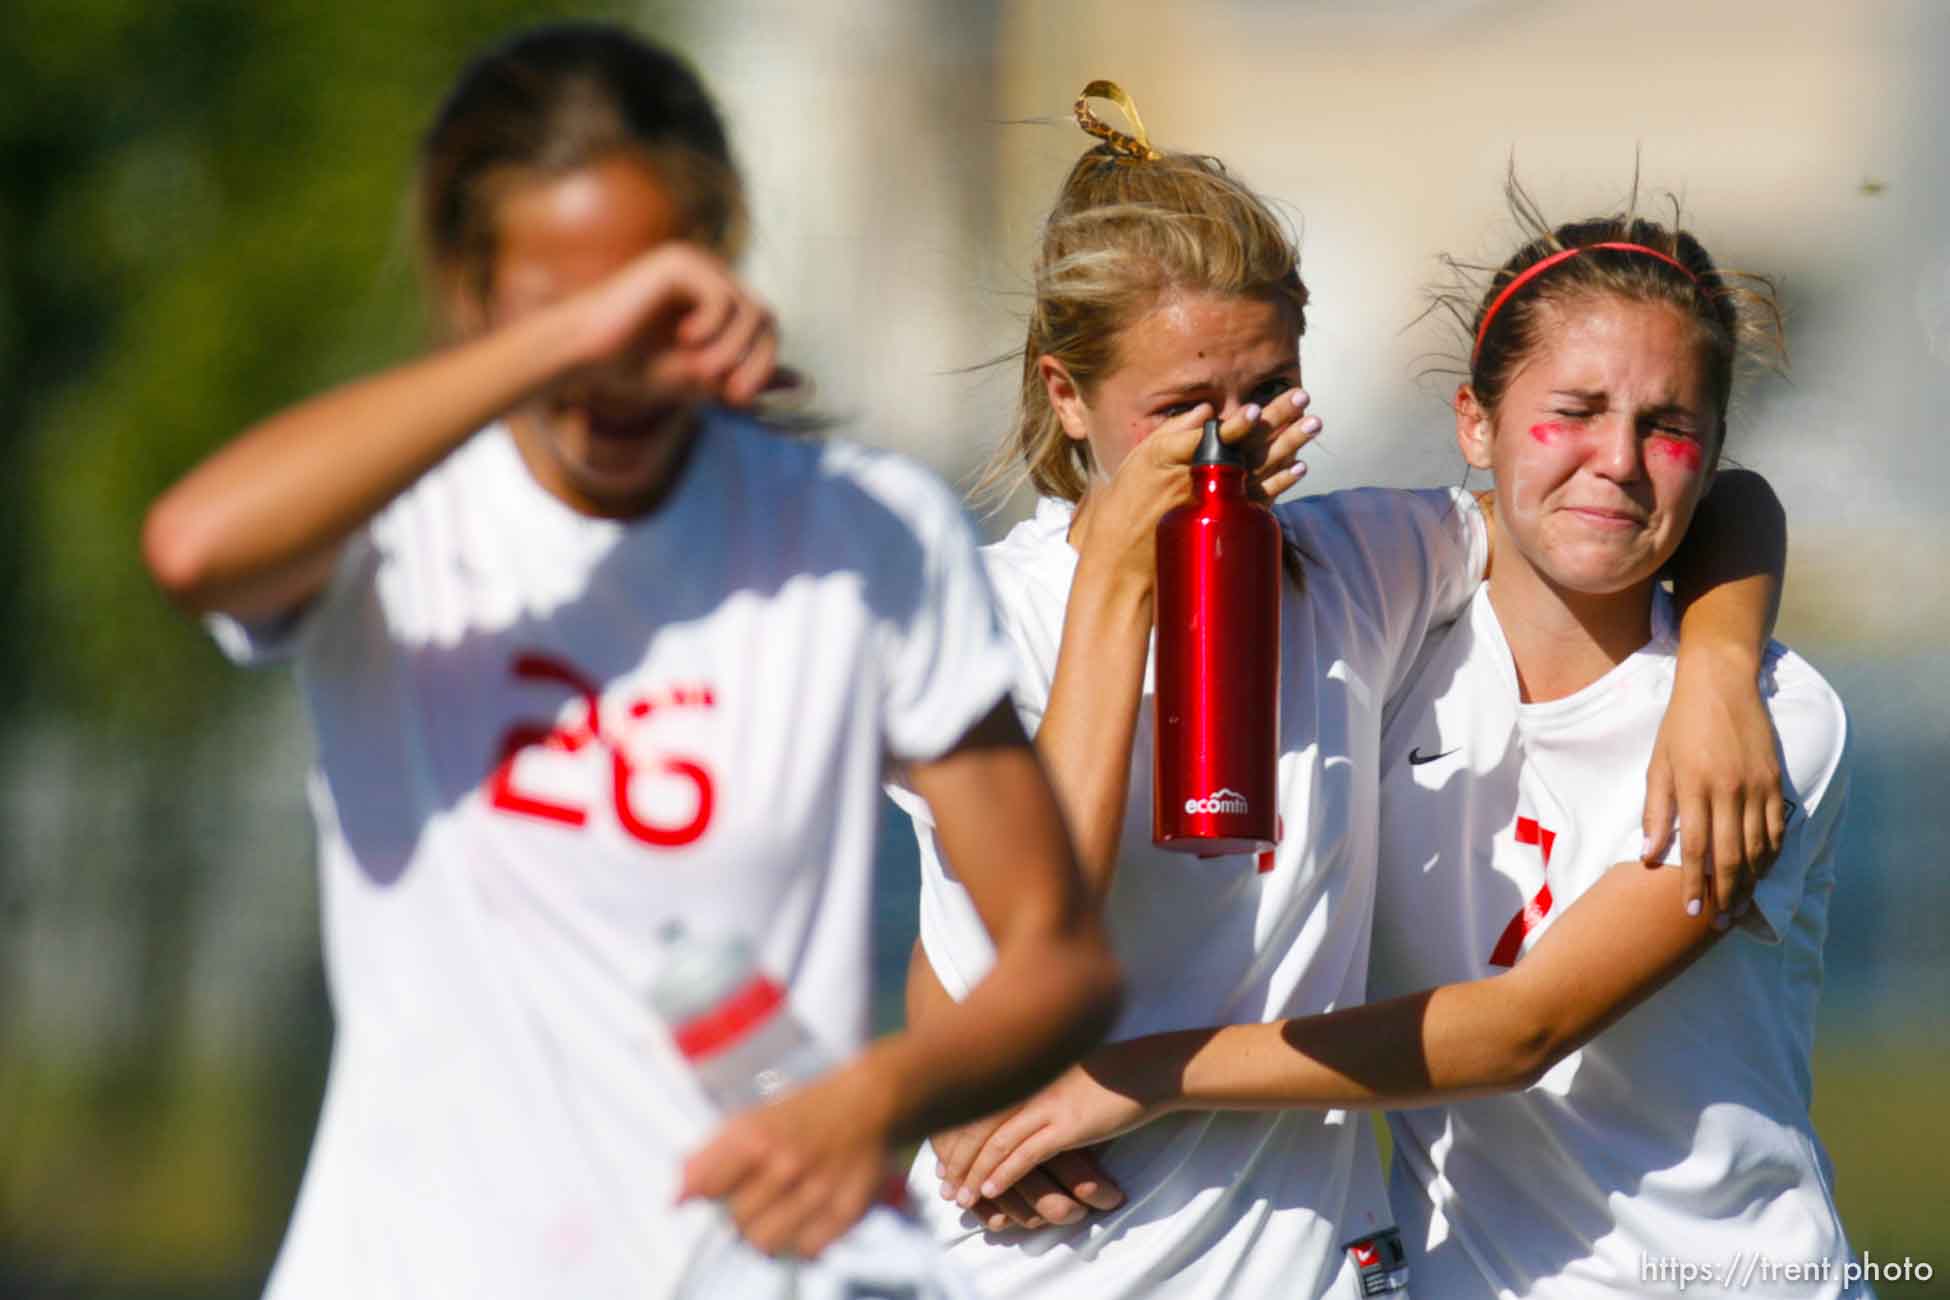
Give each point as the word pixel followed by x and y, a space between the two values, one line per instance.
pixel 1678 1139
pixel 1230 1204
pixel 543 736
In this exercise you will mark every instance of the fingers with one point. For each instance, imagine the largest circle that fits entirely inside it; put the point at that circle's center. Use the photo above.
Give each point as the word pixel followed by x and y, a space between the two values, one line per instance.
pixel 1047 1200
pixel 717 339
pixel 771 1214
pixel 766 1192
pixel 797 1172
pixel 1777 820
pixel 955 1150
pixel 768 1203
pixel 1061 1191
pixel 801 1218
pixel 1007 1211
pixel 718 1166
pixel 1079 1174
pixel 1760 848
pixel 735 361
pixel 1695 846
pixel 1291 429
pixel 1658 813
pixel 1732 870
pixel 1174 441
pixel 1035 1202
pixel 752 374
pixel 978 1177
pixel 1010 1155
pixel 696 287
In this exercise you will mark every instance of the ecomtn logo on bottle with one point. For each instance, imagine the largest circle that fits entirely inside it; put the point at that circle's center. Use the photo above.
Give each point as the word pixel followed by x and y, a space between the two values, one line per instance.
pixel 1219 801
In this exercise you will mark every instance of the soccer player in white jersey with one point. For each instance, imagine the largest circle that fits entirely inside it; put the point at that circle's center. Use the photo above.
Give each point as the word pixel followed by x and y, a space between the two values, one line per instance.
pixel 1167 293
pixel 1631 1150
pixel 588 653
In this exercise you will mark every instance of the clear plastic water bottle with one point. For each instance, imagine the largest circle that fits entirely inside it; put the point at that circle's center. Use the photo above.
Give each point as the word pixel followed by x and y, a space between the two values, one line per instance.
pixel 731 1021
pixel 733 1024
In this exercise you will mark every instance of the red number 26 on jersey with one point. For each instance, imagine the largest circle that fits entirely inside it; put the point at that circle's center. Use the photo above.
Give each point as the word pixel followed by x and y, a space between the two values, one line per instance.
pixel 569 738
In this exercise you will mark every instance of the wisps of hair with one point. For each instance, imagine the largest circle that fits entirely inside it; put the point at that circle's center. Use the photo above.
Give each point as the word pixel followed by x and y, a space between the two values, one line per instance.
pixel 1130 224
pixel 1739 313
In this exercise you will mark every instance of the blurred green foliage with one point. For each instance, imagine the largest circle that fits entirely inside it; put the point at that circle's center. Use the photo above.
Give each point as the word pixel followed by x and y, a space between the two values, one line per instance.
pixel 203 219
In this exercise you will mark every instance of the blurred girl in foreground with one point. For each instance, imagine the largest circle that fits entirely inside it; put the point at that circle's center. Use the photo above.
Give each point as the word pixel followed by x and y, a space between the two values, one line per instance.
pixel 1167 293
pixel 1603 356
pixel 587 654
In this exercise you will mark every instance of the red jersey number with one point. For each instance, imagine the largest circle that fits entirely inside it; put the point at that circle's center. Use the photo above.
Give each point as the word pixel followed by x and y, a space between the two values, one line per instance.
pixel 505 796
pixel 1510 944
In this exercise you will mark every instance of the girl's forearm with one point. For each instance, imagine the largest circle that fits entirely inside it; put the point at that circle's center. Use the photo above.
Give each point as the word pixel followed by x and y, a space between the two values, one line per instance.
pixel 1049 993
pixel 1404 1052
pixel 1053 986
pixel 1090 725
pixel 251 530
pixel 1616 946
pixel 1727 575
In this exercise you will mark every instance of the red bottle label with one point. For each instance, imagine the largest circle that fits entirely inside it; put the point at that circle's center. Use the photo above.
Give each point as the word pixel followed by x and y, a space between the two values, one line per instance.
pixel 731 1019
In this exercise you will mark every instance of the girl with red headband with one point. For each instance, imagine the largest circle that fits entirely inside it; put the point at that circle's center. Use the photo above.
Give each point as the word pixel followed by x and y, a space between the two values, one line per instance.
pixel 1167 293
pixel 1562 1143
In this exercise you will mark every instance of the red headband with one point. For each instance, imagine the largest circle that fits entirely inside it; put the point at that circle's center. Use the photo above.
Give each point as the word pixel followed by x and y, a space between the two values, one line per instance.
pixel 1537 268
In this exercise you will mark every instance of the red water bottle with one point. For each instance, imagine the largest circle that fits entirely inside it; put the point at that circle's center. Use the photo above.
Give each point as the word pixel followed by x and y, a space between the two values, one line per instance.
pixel 1218 664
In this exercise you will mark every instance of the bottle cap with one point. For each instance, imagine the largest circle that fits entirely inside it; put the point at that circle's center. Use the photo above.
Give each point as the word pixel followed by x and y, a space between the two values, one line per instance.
pixel 699 974
pixel 1214 450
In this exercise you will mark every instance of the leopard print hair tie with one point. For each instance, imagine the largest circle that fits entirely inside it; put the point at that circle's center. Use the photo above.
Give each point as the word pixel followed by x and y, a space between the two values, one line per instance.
pixel 1135 147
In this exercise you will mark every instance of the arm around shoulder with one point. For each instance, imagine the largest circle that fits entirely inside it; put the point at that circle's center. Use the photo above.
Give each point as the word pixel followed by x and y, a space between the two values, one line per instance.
pixel 1714 766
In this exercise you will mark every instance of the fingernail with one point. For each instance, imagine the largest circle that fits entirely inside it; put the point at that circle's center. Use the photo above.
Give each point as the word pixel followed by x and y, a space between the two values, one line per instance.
pixel 964 1198
pixel 1035 1221
pixel 1692 907
pixel 1299 396
pixel 990 1190
pixel 940 1170
pixel 947 1190
pixel 1645 846
pixel 1250 411
pixel 1721 921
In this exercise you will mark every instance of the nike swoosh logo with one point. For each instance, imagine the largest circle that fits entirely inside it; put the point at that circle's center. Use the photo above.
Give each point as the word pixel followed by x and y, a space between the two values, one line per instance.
pixel 1416 757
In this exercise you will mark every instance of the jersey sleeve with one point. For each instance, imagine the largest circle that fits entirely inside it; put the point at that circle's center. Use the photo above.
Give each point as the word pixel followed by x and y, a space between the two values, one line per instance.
pixel 1410 560
pixel 947 661
pixel 953 938
pixel 252 643
pixel 1813 728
